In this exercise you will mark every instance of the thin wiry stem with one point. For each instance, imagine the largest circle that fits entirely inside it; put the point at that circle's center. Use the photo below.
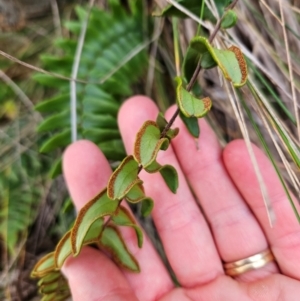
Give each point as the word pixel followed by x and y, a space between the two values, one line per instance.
pixel 40 70
pixel 73 94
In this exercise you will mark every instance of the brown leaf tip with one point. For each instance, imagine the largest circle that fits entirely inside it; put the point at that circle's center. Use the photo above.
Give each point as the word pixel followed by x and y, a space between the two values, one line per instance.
pixel 138 139
pixel 241 60
pixel 207 103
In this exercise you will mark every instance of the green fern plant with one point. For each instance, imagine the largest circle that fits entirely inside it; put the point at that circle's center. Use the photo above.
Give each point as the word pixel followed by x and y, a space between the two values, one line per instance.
pixel 21 189
pixel 109 40
pixel 108 72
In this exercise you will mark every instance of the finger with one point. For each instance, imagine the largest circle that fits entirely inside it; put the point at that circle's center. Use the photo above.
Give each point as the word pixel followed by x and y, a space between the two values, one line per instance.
pixel 87 172
pixel 236 231
pixel 185 235
pixel 91 276
pixel 284 237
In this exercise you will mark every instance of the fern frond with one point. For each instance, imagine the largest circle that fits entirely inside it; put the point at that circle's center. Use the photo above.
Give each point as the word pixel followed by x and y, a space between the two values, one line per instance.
pixel 110 38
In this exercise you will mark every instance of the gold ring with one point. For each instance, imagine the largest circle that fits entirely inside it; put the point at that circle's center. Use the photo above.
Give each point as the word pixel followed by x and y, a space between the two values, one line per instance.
pixel 250 263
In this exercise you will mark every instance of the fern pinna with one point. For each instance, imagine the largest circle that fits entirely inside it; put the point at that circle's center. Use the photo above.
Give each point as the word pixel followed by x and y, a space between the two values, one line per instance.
pixel 108 71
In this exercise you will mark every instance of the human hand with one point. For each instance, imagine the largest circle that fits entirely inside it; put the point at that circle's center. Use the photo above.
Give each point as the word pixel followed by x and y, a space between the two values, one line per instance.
pixel 235 225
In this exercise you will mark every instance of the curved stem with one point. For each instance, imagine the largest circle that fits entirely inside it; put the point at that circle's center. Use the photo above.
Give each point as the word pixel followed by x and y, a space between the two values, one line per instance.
pixel 196 72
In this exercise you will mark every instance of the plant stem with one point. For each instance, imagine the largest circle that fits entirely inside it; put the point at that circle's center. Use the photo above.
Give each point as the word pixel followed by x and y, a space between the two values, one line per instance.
pixel 196 72
pixel 188 88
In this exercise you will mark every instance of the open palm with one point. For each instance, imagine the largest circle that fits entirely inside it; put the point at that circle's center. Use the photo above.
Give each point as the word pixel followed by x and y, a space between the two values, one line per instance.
pixel 217 215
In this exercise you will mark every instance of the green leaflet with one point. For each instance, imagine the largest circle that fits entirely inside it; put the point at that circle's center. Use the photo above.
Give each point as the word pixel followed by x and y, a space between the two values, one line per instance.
pixel 90 121
pixel 124 218
pixel 146 147
pixel 123 179
pixel 54 104
pixel 231 61
pixel 47 80
pixel 63 250
pixel 57 287
pixel 189 105
pixel 64 247
pixel 96 105
pixel 170 176
pixel 191 124
pixel 61 63
pixel 112 241
pixel 54 122
pixel 168 173
pixel 229 19
pixel 105 121
pixel 66 44
pixel 147 206
pixel 49 278
pixel 172 133
pixel 56 168
pixel 190 61
pixel 137 194
pixel 21 192
pixel 45 265
pixel 113 149
pixel 58 140
pixel 161 121
pixel 148 143
pixel 101 134
pixel 95 209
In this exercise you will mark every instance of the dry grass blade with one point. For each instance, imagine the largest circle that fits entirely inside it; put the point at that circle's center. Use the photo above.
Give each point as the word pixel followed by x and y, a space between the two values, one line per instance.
pixel 289 142
pixel 293 177
pixel 241 121
pixel 286 42
pixel 150 76
pixel 56 18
